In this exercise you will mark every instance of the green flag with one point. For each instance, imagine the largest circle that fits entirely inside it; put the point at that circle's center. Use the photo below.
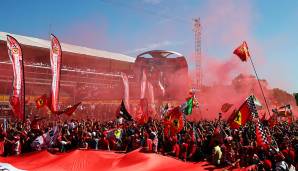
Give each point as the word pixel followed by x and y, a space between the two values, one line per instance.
pixel 188 109
pixel 296 98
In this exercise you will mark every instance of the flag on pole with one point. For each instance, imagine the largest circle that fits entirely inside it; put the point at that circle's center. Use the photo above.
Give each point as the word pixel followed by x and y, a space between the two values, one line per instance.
pixel 55 57
pixel 69 110
pixel 283 111
pixel 17 99
pixel 242 52
pixel 186 107
pixel 122 112
pixel 173 122
pixel 243 114
pixel 262 137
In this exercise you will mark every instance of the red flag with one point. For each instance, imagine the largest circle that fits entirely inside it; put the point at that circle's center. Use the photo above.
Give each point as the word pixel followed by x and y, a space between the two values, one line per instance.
pixel 242 52
pixel 262 137
pixel 226 107
pixel 17 100
pixel 272 121
pixel 142 113
pixel 263 118
pixel 55 57
pixel 41 101
pixel 174 120
pixel 69 110
pixel 240 117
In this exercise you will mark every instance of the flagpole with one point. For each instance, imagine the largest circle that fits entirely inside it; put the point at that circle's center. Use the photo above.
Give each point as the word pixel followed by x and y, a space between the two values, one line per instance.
pixel 260 86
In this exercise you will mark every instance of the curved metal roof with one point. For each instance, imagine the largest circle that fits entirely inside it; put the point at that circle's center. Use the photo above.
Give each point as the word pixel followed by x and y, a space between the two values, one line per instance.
pixel 160 53
pixel 32 41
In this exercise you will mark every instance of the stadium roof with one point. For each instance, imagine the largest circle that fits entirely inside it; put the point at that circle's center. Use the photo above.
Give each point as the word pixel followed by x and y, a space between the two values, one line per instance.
pixel 32 41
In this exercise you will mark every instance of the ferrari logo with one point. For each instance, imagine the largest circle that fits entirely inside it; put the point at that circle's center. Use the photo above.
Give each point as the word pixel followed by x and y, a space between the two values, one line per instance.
pixel 238 118
pixel 55 49
pixel 176 123
pixel 15 50
pixel 40 102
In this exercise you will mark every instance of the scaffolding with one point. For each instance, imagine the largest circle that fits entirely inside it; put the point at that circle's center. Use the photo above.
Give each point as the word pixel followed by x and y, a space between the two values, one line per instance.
pixel 197 55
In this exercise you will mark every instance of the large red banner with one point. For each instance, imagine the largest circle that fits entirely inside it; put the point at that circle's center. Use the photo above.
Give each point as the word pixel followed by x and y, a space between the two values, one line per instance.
pixel 55 57
pixel 17 99
pixel 100 160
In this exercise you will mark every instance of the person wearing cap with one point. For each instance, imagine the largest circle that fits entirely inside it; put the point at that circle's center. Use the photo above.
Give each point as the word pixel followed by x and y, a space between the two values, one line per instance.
pixel 267 164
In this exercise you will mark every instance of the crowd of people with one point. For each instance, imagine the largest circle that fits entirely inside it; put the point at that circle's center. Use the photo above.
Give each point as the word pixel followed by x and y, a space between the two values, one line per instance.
pixel 202 140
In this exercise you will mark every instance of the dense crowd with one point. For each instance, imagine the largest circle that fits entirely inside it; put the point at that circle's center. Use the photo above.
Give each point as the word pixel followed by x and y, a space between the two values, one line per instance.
pixel 202 140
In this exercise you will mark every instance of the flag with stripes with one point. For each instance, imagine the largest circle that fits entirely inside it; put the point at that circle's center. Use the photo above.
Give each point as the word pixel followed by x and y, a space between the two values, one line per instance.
pixel 263 137
pixel 17 99
pixel 55 58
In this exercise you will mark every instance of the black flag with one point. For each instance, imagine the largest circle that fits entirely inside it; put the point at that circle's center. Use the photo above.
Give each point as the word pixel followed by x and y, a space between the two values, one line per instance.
pixel 122 112
pixel 296 98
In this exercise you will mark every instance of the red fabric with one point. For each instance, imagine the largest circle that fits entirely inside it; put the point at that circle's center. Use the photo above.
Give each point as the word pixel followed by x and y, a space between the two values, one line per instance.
pixel 17 99
pixel 1 148
pixel 240 117
pixel 101 160
pixel 176 150
pixel 272 121
pixel 69 110
pixel 267 164
pixel 55 58
pixel 41 101
pixel 149 144
pixel 259 138
pixel 226 107
pixel 184 150
pixel 174 120
pixel 242 52
pixel 142 114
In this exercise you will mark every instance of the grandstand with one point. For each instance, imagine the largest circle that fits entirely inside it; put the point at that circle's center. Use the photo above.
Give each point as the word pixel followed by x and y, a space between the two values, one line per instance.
pixel 87 75
pixel 91 76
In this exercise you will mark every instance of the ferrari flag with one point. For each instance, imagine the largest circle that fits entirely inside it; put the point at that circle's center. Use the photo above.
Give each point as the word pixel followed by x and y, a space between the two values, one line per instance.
pixel 245 112
pixel 41 101
pixel 69 110
pixel 242 52
pixel 55 55
pixel 17 99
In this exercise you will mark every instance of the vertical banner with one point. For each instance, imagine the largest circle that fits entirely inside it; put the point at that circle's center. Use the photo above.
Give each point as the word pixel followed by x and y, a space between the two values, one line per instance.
pixel 126 91
pixel 160 84
pixel 55 55
pixel 151 98
pixel 17 99
pixel 143 84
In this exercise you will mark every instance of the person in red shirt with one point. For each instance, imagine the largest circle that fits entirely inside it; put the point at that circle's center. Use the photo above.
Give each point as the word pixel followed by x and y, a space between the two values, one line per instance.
pixel 1 146
pixel 184 150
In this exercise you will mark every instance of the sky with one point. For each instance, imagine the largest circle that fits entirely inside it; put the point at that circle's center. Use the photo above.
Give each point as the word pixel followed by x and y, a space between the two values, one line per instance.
pixel 132 27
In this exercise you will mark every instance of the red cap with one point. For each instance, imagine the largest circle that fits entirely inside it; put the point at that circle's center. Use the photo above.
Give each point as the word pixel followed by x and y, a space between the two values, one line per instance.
pixel 267 164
